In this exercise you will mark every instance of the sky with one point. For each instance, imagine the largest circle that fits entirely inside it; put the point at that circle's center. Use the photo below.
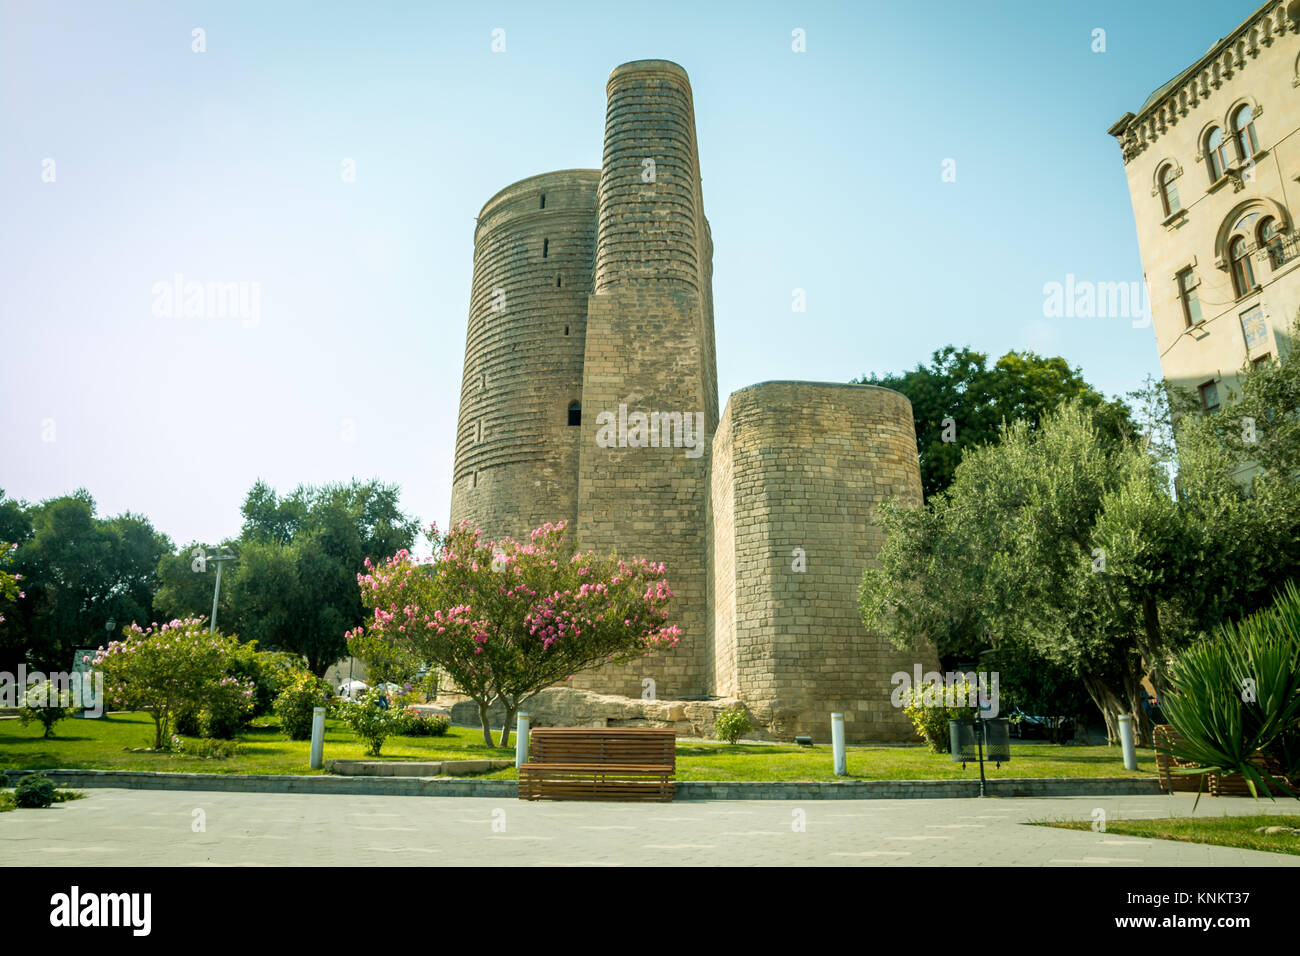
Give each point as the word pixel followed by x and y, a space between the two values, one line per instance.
pixel 920 171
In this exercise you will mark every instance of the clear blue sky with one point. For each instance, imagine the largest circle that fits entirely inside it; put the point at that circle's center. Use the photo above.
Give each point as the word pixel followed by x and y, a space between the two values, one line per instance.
pixel 822 171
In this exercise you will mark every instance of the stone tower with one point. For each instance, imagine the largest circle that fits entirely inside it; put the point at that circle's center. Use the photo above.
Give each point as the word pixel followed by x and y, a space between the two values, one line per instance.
pixel 592 303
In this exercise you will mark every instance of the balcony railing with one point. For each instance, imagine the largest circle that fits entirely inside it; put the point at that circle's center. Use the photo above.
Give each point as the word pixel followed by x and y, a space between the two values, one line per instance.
pixel 1283 249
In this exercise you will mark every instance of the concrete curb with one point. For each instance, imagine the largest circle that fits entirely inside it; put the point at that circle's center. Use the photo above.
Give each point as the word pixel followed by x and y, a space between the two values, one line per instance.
pixel 913 789
pixel 686 790
pixel 281 783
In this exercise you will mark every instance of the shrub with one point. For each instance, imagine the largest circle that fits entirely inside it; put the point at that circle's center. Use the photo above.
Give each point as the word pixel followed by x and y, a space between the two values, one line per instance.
pixel 167 671
pixel 732 723
pixel 270 671
pixel 34 790
pixel 46 704
pixel 369 721
pixel 930 716
pixel 1236 698
pixel 230 706
pixel 296 703
pixel 415 723
pixel 188 721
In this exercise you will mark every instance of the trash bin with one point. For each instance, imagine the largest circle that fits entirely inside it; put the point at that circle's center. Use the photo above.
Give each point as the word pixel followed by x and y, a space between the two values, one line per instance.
pixel 962 735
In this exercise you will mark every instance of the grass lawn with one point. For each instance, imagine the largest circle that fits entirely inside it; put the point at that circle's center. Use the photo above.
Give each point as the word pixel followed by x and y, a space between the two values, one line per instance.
pixel 1236 832
pixel 102 745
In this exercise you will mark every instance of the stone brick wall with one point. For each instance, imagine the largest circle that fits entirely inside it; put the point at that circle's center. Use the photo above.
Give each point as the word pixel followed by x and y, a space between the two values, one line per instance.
pixel 516 455
pixel 809 463
pixel 647 348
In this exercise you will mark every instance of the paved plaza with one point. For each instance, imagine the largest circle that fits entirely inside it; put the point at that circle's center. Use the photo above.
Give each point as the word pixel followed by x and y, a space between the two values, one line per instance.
pixel 158 827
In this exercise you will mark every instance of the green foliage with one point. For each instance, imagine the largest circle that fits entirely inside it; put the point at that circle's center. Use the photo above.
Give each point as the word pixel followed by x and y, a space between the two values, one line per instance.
pixel 176 668
pixel 297 702
pixel 77 570
pixel 293 587
pixel 732 724
pixel 1236 699
pixel 386 660
pixel 415 723
pixel 369 721
pixel 228 707
pixel 1059 544
pixel 429 683
pixel 930 712
pixel 209 749
pixel 1021 387
pixel 34 790
pixel 46 705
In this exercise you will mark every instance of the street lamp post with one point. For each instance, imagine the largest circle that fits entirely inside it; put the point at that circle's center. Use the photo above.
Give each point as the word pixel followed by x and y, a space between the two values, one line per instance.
pixel 221 559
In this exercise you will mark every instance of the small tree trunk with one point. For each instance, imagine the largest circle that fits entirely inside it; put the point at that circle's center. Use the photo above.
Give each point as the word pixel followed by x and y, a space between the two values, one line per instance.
pixel 511 710
pixel 1141 722
pixel 1107 702
pixel 483 720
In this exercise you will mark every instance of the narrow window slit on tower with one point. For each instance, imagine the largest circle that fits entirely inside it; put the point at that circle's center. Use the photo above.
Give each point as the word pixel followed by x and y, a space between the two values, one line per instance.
pixel 566 330
pixel 557 282
pixel 546 243
pixel 575 412
pixel 543 200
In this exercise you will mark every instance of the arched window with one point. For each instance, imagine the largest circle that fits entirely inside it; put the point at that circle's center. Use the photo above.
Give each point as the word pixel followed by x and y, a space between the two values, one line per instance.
pixel 1243 130
pixel 1168 190
pixel 1216 148
pixel 575 413
pixel 1269 238
pixel 1243 276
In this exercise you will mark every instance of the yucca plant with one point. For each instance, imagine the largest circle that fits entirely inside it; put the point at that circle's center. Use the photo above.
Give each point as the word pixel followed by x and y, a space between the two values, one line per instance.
pixel 1236 699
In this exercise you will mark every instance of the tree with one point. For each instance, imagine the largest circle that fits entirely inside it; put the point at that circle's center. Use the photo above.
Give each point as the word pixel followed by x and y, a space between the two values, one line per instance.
pixel 293 585
pixel 506 619
pixel 958 386
pixel 1059 543
pixel 78 571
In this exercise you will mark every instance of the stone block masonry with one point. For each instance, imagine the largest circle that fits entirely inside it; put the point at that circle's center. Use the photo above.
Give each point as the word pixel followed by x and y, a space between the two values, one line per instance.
pixel 592 290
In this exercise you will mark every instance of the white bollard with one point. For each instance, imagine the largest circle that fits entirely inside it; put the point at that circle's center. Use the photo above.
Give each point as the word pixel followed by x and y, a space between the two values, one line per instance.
pixel 837 743
pixel 521 740
pixel 1126 742
pixel 318 738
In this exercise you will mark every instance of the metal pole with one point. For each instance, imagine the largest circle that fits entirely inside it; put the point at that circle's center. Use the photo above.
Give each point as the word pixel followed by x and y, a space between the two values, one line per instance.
pixel 837 743
pixel 979 743
pixel 1126 742
pixel 212 621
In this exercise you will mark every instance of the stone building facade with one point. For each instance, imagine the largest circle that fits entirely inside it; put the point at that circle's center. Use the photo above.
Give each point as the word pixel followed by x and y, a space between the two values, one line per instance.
pixel 1213 163
pixel 591 301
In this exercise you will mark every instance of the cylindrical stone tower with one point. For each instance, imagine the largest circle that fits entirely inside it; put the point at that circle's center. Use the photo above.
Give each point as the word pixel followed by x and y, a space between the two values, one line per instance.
pixel 799 469
pixel 649 351
pixel 519 432
pixel 648 231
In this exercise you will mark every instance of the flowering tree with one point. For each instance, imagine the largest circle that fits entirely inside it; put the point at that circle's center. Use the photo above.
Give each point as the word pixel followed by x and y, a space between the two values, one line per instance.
pixel 504 619
pixel 165 669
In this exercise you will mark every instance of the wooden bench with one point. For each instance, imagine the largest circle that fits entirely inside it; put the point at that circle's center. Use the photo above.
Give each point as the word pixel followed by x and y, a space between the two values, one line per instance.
pixel 1165 738
pixel 583 763
pixel 1216 784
